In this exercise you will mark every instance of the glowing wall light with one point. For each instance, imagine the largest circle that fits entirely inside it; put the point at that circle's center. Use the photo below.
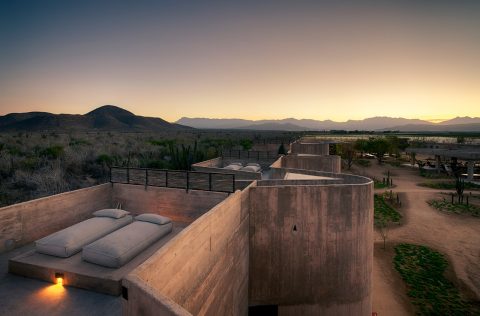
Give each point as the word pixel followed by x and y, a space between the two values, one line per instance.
pixel 59 278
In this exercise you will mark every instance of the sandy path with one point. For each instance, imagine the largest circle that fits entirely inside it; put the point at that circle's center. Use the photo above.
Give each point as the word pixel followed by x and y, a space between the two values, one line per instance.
pixel 457 236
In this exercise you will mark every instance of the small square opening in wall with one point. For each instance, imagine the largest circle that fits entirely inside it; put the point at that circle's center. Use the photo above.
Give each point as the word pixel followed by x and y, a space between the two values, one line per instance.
pixel 263 310
pixel 125 293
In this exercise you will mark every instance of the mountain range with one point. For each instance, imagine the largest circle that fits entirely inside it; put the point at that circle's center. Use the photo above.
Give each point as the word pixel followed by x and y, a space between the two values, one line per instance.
pixel 107 117
pixel 370 124
pixel 113 118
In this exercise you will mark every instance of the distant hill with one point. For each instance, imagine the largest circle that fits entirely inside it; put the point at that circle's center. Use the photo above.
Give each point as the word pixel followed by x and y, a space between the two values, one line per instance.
pixel 461 120
pixel 374 123
pixel 475 127
pixel 107 117
pixel 275 126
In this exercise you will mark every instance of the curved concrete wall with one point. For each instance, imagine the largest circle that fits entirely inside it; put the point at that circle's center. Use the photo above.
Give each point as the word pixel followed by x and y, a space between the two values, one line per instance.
pixel 311 248
pixel 322 149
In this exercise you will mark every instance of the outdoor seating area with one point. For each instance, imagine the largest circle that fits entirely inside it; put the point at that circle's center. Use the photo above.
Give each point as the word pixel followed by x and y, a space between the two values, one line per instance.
pixel 97 253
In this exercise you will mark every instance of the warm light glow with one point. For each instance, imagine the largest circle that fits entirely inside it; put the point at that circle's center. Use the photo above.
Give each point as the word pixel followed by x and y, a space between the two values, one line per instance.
pixel 60 281
pixel 52 293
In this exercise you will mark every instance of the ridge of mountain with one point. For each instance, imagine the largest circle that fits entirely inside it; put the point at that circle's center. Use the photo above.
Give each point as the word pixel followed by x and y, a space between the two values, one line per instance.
pixel 107 117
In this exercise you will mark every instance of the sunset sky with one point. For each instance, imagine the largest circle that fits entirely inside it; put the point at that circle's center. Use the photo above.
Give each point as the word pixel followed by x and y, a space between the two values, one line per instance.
pixel 242 59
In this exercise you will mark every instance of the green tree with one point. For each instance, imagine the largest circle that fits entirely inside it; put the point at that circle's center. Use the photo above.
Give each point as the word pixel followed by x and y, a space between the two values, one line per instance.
pixel 378 146
pixel 247 144
pixel 347 152
pixel 361 145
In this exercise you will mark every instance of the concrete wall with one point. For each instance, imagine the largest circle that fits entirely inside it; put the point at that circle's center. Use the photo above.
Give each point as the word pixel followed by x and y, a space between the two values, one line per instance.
pixel 202 271
pixel 211 163
pixel 319 163
pixel 324 265
pixel 309 148
pixel 178 204
pixel 279 174
pixel 26 222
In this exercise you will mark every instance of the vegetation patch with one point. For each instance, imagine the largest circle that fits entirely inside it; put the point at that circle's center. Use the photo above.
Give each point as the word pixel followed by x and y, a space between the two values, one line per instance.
pixel 363 162
pixel 423 270
pixel 379 185
pixel 457 208
pixel 384 213
pixel 448 185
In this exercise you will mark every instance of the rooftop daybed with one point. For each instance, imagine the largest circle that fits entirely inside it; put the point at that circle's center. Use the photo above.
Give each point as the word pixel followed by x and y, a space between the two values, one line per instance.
pixel 119 247
pixel 70 240
pixel 252 167
pixel 234 166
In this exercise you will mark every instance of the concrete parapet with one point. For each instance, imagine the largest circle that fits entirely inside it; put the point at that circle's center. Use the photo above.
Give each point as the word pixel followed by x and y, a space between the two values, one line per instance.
pixel 26 222
pixel 312 162
pixel 312 148
pixel 178 204
pixel 202 271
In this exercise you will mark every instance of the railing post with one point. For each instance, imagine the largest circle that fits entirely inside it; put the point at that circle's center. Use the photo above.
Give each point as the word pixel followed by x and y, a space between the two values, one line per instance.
pixel 248 154
pixel 209 182
pixel 110 174
pixel 146 178
pixel 233 184
pixel 188 179
pixel 258 155
pixel 166 178
pixel 128 174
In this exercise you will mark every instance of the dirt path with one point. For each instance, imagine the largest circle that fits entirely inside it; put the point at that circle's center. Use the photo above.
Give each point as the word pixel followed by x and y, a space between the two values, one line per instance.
pixel 457 236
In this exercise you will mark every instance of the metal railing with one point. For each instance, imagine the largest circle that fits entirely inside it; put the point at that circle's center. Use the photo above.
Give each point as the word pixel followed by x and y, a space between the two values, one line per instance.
pixel 250 154
pixel 178 179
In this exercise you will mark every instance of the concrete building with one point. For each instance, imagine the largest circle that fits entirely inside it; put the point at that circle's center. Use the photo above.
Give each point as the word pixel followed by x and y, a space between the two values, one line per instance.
pixel 298 243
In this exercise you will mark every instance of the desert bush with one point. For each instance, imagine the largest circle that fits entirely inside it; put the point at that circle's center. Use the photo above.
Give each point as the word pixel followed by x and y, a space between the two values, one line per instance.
pixel 52 152
pixel 423 270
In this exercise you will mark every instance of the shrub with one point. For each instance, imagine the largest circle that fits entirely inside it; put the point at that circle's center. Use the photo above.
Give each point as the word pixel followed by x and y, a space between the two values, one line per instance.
pixel 363 162
pixel 423 270
pixel 105 159
pixel 384 213
pixel 52 152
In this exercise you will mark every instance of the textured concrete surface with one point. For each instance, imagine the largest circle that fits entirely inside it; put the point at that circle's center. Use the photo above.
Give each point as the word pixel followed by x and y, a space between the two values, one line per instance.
pixel 178 204
pixel 311 249
pixel 24 296
pixel 319 163
pixel 202 271
pixel 25 222
pixel 312 148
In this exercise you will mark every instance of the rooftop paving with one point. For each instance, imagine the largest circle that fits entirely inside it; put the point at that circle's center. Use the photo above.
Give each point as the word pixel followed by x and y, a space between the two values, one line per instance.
pixel 24 296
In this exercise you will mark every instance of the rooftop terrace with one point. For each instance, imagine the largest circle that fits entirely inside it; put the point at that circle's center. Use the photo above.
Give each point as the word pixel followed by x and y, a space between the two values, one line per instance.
pixel 301 240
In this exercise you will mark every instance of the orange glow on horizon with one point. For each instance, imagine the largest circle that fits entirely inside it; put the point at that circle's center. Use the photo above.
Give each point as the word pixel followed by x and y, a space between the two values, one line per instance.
pixel 247 61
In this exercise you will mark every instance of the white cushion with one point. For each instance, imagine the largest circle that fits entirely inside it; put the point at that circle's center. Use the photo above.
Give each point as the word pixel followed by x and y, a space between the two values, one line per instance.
pixel 251 169
pixel 111 212
pixel 121 246
pixel 70 240
pixel 153 218
pixel 233 167
pixel 253 164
